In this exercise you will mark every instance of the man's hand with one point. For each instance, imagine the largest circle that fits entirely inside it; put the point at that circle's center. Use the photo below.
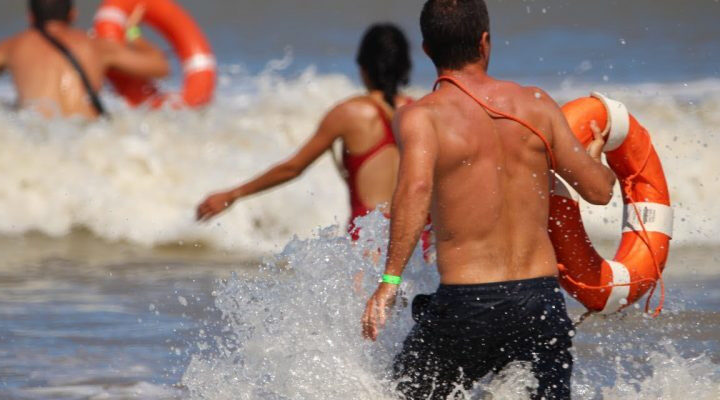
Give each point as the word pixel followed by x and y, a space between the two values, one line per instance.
pixel 376 310
pixel 214 205
pixel 595 147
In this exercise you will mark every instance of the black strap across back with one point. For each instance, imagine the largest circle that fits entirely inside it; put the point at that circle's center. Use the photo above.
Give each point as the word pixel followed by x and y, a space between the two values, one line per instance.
pixel 94 97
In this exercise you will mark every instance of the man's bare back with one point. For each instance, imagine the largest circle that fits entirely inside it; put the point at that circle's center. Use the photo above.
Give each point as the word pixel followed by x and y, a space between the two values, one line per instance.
pixel 488 178
pixel 490 203
pixel 47 82
pixel 44 78
pixel 492 179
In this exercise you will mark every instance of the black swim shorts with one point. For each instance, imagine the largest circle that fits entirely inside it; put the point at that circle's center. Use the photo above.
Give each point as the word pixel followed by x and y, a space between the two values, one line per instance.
pixel 464 332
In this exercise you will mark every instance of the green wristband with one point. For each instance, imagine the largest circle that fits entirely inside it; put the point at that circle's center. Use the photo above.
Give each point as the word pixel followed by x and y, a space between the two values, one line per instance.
pixel 133 33
pixel 391 279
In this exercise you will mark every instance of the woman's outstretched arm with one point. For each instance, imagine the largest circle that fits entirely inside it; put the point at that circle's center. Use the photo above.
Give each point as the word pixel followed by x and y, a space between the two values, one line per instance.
pixel 329 130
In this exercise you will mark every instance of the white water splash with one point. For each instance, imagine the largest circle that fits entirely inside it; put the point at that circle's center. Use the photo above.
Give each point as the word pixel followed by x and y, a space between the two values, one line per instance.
pixel 293 332
pixel 139 176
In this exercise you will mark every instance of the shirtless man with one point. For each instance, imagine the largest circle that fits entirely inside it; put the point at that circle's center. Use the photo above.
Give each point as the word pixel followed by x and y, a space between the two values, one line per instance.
pixel 44 78
pixel 486 180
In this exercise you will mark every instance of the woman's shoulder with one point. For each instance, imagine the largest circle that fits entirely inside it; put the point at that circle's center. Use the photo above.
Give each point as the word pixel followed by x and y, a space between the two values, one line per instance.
pixel 361 107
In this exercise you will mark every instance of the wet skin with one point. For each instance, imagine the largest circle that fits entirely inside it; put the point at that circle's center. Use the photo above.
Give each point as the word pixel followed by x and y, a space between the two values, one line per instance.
pixel 485 181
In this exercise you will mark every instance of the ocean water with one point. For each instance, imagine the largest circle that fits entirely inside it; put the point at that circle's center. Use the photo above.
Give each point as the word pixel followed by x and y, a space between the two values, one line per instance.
pixel 110 290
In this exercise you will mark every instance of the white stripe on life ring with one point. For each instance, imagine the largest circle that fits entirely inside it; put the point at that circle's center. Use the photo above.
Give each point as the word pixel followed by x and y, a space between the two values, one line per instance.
pixel 563 189
pixel 111 14
pixel 618 294
pixel 618 121
pixel 655 216
pixel 198 62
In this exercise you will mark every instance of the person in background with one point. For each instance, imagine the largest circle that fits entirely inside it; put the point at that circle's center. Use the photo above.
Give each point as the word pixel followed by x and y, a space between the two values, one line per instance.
pixel 479 153
pixel 363 123
pixel 59 70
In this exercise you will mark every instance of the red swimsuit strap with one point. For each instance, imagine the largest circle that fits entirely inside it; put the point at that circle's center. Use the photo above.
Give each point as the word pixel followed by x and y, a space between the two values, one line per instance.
pixel 353 162
pixel 493 110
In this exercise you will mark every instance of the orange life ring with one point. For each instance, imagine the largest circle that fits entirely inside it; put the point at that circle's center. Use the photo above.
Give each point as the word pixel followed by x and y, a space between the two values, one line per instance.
pixel 188 41
pixel 608 285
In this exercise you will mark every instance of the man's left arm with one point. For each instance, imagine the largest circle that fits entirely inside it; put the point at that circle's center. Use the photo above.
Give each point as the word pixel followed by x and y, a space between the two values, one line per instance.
pixel 410 206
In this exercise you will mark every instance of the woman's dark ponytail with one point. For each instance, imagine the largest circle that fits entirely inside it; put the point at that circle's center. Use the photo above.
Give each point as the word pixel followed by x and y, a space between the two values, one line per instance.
pixel 384 56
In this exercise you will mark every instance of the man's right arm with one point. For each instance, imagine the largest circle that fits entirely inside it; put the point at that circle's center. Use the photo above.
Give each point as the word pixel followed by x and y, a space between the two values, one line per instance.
pixel 410 206
pixel 582 169
pixel 139 58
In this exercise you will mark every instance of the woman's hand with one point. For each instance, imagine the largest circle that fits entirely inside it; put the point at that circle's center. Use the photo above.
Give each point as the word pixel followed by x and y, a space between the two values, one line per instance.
pixel 214 205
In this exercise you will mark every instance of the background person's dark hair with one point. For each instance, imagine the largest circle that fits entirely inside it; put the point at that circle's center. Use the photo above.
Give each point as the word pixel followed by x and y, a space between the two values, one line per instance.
pixel 384 55
pixel 50 10
pixel 452 30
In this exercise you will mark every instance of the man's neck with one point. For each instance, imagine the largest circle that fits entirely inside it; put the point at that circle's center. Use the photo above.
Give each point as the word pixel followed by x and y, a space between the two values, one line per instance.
pixel 54 26
pixel 477 70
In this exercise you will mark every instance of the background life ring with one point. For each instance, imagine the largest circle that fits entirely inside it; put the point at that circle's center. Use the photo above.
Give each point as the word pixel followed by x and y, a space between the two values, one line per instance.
pixel 178 28
pixel 608 285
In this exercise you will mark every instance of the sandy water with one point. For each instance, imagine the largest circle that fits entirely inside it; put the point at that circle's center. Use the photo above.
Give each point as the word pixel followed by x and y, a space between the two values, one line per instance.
pixel 84 319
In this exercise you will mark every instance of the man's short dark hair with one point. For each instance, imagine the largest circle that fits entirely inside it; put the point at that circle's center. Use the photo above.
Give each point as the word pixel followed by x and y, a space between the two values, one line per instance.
pixel 452 30
pixel 50 10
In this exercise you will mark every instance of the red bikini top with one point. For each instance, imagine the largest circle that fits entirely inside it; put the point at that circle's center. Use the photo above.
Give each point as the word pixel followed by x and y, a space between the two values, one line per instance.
pixel 353 162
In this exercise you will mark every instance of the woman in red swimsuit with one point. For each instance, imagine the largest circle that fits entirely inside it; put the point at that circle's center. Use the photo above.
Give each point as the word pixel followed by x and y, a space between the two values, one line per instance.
pixel 363 123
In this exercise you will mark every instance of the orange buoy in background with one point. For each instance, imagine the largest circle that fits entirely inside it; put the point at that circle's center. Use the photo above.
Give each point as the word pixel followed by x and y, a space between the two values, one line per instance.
pixel 178 28
pixel 609 285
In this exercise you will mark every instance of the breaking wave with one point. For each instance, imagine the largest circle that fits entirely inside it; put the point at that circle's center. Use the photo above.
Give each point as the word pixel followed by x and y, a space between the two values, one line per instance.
pixel 138 176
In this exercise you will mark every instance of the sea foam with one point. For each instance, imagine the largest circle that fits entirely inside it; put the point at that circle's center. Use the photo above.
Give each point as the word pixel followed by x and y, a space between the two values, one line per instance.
pixel 139 176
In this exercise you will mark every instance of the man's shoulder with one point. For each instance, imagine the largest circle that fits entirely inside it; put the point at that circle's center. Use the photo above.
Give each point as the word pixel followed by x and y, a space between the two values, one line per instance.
pixel 424 104
pixel 517 90
pixel 416 116
pixel 14 39
pixel 527 97
pixel 535 93
pixel 418 108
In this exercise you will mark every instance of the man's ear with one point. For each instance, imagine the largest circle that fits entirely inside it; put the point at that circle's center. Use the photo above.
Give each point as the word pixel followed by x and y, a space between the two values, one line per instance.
pixel 485 47
pixel 425 49
pixel 31 19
